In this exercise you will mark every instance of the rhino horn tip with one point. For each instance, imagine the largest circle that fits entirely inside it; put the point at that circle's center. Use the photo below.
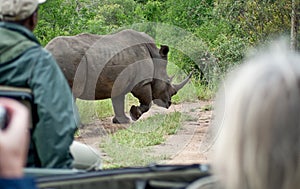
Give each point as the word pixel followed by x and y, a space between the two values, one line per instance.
pixel 183 83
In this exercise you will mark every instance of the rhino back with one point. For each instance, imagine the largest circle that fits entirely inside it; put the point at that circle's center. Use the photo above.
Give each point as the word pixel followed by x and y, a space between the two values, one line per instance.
pixel 102 59
pixel 123 59
pixel 69 52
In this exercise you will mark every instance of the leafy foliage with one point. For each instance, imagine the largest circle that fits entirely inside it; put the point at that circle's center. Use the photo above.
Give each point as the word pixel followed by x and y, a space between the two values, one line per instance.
pixel 257 20
pixel 212 35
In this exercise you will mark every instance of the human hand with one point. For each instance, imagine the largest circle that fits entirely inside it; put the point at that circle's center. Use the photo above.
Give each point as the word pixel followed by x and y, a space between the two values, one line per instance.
pixel 14 140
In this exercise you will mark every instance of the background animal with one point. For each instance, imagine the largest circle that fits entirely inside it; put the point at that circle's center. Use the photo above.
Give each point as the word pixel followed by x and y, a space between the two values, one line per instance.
pixel 110 66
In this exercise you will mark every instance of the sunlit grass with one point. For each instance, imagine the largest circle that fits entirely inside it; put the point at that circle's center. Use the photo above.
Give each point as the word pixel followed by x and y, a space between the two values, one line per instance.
pixel 149 132
pixel 129 146
pixel 124 156
pixel 89 110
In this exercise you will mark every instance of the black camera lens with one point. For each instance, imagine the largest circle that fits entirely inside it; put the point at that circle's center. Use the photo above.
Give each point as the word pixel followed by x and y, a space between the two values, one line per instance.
pixel 3 118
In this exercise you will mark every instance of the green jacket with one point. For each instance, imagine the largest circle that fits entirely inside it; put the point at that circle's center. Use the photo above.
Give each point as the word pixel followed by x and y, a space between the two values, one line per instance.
pixel 24 63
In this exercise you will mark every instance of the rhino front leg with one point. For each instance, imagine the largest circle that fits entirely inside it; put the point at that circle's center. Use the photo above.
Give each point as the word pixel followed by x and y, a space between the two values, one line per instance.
pixel 118 105
pixel 137 111
pixel 145 98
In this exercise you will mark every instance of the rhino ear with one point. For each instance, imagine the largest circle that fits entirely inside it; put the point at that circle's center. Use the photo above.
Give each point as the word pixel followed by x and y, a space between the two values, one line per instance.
pixel 164 50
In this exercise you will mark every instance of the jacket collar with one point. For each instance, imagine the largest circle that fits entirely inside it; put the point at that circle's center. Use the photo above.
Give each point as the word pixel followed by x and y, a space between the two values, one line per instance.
pixel 19 29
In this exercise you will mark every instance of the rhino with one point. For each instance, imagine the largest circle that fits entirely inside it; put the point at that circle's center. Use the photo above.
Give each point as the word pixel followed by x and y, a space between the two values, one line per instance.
pixel 110 66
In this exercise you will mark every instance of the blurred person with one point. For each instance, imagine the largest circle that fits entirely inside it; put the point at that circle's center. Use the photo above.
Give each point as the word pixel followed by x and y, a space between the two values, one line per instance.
pixel 258 112
pixel 14 141
pixel 25 63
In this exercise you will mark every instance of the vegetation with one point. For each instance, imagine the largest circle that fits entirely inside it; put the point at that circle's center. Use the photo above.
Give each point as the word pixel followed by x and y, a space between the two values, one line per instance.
pixel 149 132
pixel 128 147
pixel 208 36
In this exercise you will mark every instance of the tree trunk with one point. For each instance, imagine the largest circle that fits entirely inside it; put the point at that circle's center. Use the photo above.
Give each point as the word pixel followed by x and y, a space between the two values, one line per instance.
pixel 295 24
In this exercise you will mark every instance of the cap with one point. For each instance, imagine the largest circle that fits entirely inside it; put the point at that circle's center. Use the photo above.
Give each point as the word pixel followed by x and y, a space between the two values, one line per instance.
pixel 16 10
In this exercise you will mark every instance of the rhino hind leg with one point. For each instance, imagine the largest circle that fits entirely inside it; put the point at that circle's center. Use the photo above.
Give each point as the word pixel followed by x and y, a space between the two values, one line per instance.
pixel 118 105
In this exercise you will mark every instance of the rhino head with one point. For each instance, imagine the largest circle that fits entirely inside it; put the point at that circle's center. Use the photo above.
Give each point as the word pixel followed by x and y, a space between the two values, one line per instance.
pixel 162 87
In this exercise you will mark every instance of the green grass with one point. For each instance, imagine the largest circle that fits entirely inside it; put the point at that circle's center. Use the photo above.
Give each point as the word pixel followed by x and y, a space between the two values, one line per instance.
pixel 187 94
pixel 149 132
pixel 130 146
pixel 89 110
pixel 193 91
pixel 123 156
pixel 207 107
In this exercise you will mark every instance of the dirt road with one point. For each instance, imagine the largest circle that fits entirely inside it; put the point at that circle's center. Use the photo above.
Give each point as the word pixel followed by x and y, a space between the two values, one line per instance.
pixel 187 146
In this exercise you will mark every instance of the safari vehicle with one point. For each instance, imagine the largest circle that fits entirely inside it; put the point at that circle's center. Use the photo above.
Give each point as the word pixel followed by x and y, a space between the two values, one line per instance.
pixel 155 176
pixel 151 176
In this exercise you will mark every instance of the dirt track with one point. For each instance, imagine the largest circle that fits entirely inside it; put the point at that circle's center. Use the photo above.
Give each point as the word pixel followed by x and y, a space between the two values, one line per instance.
pixel 187 146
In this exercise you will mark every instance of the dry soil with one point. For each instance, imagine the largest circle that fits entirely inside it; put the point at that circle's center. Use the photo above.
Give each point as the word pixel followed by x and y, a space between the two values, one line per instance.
pixel 189 145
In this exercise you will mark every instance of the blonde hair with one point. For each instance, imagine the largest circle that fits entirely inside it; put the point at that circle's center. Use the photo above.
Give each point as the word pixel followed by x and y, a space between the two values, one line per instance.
pixel 258 112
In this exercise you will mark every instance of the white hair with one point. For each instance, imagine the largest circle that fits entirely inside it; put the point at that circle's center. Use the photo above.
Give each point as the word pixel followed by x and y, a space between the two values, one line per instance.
pixel 259 115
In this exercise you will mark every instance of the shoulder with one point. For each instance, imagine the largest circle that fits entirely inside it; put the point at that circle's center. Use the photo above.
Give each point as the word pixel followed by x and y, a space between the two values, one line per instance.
pixel 40 53
pixel 42 61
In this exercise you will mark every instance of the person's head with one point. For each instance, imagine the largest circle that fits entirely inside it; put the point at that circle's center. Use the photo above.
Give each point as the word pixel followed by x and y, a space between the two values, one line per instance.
pixel 259 115
pixel 23 12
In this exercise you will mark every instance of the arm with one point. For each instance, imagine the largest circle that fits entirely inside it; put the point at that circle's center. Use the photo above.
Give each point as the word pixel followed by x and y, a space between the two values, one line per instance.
pixel 13 147
pixel 57 114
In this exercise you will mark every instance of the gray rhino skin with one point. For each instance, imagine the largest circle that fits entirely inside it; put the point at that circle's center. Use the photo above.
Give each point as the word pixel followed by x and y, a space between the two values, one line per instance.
pixel 110 66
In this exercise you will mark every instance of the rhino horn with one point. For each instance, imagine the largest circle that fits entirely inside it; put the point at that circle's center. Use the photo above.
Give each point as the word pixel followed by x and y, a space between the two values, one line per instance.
pixel 177 87
pixel 171 78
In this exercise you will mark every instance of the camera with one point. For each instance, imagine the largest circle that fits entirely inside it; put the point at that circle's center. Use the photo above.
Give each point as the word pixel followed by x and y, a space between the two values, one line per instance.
pixel 3 118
